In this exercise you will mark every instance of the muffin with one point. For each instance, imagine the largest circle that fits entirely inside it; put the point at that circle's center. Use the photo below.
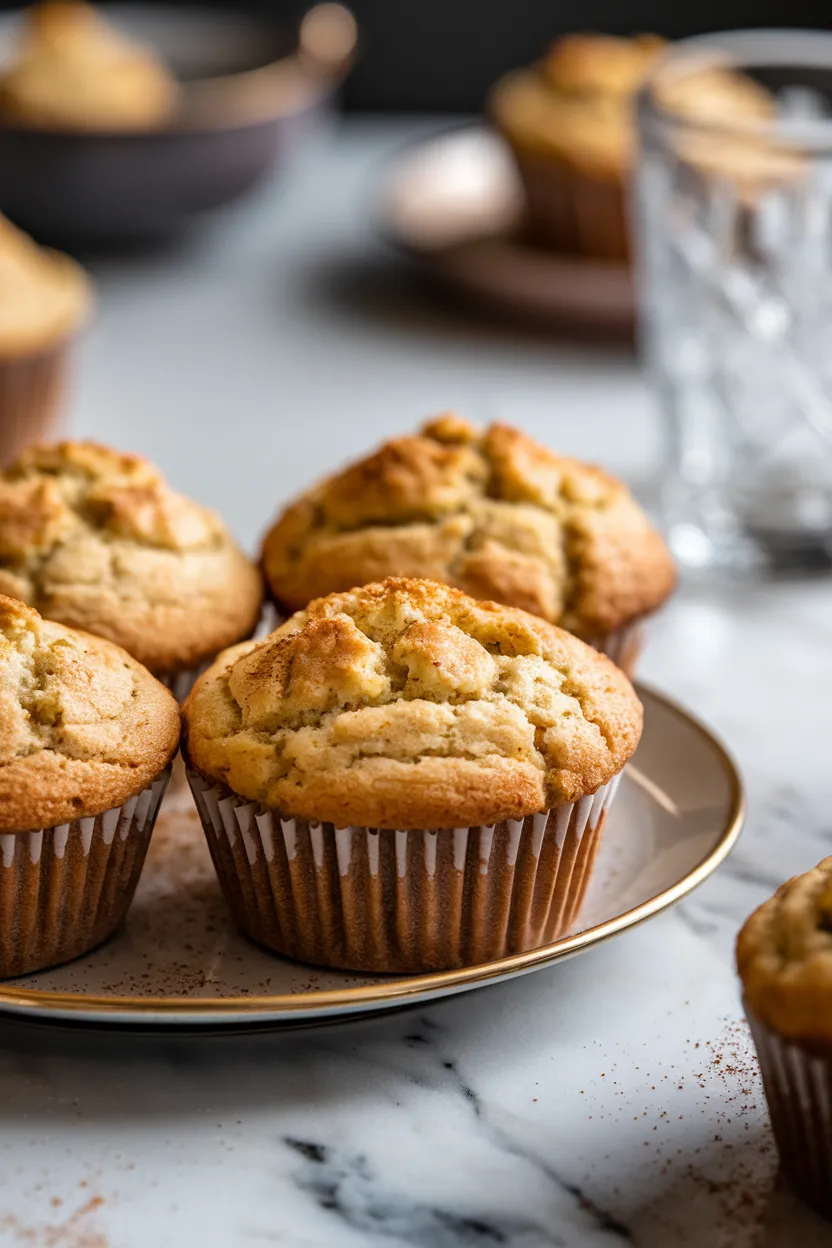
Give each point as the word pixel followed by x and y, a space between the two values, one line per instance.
pixel 494 514
pixel 569 123
pixel 403 778
pixel 73 71
pixel 98 540
pixel 86 742
pixel 44 301
pixel 784 957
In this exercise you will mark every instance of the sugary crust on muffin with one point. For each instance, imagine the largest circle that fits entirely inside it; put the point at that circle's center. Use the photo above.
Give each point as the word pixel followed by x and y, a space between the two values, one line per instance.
pixel 98 540
pixel 493 513
pixel 784 957
pixel 73 71
pixel 83 726
pixel 408 704
pixel 44 296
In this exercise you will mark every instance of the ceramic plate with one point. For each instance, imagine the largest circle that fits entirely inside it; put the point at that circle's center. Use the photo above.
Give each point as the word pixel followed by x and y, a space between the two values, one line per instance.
pixel 179 961
pixel 455 203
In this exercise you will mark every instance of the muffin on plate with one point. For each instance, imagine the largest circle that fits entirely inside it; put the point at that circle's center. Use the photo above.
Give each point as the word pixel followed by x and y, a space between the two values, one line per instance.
pixel 98 540
pixel 73 71
pixel 403 778
pixel 44 301
pixel 491 512
pixel 784 957
pixel 569 123
pixel 85 746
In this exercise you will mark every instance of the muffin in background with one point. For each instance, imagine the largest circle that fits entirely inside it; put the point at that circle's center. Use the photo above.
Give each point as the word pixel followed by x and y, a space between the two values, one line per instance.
pixel 402 778
pixel 569 122
pixel 784 958
pixel 86 743
pixel 98 540
pixel 491 512
pixel 73 71
pixel 45 298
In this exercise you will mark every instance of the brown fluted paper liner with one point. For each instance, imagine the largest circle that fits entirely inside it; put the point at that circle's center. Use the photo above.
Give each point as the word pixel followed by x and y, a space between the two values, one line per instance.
pixel 31 391
pixel 571 212
pixel 798 1085
pixel 365 899
pixel 64 890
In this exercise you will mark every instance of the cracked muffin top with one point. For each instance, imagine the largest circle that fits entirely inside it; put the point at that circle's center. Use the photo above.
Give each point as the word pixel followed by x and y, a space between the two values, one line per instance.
pixel 491 512
pixel 44 296
pixel 784 957
pixel 83 726
pixel 98 540
pixel 73 71
pixel 408 704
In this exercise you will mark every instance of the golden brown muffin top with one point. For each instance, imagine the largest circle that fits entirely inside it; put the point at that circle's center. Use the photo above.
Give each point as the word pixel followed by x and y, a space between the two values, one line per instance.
pixel 44 296
pixel 592 65
pixel 73 71
pixel 83 726
pixel 408 704
pixel 576 104
pixel 491 512
pixel 784 957
pixel 98 540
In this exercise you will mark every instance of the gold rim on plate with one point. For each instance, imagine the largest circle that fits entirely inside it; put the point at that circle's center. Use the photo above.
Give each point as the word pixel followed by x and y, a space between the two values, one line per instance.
pixel 392 991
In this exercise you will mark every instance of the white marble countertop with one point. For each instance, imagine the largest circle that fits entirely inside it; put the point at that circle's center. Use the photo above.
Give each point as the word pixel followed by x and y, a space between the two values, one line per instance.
pixel 609 1100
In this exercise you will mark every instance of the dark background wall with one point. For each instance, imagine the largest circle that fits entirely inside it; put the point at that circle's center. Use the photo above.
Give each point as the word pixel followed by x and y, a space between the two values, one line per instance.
pixel 442 55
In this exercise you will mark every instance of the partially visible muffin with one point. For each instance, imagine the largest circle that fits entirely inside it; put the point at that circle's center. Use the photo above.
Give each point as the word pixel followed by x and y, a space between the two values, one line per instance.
pixel 86 737
pixel 491 512
pixel 45 299
pixel 98 540
pixel 570 125
pixel 415 778
pixel 784 957
pixel 74 71
pixel 568 122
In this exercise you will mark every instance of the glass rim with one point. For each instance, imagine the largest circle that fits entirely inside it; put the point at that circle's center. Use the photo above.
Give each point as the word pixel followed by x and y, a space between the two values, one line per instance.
pixel 739 50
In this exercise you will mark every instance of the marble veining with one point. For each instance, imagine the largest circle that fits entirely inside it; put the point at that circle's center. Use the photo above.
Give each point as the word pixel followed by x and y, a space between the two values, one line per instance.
pixel 610 1100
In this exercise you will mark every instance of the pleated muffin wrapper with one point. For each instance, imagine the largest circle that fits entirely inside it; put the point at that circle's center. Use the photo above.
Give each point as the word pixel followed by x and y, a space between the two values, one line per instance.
pixel 798 1085
pixel 64 890
pixel 367 899
pixel 570 211
pixel 32 390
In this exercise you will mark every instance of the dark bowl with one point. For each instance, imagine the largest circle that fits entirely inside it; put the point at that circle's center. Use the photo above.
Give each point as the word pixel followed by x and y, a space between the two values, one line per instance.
pixel 248 92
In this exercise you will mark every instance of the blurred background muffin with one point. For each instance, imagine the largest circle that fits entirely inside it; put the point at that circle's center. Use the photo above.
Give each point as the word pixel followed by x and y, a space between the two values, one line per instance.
pixel 73 70
pixel 491 512
pixel 45 298
pixel 98 540
pixel 416 780
pixel 568 122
